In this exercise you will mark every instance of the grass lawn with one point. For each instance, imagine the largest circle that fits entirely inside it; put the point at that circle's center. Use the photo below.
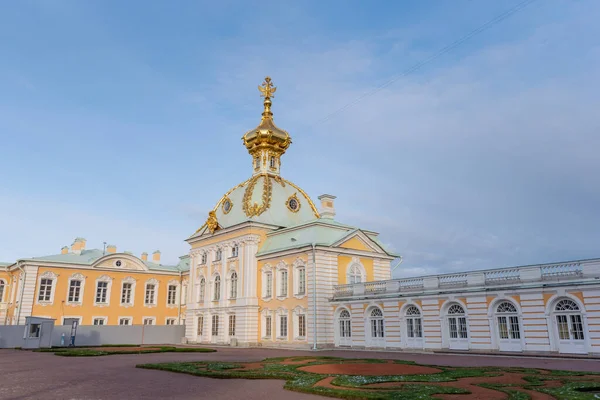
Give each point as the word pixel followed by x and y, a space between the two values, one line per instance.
pixel 120 349
pixel 361 379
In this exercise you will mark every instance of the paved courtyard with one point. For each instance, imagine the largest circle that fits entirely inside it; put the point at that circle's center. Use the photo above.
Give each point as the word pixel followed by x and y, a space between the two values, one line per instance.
pixel 26 375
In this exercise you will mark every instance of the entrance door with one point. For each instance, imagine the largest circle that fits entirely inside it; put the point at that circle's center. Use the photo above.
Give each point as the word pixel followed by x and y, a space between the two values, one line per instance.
pixel 570 333
pixel 569 326
pixel 344 329
pixel 376 329
pixel 508 327
pixel 458 337
pixel 414 328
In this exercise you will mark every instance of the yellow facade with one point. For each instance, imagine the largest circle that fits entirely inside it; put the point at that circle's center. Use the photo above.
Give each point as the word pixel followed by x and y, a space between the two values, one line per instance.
pixel 87 310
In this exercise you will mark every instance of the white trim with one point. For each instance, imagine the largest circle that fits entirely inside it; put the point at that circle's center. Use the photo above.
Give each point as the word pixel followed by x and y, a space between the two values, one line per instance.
pixel 150 318
pixel 75 277
pixel 102 318
pixel 282 268
pixel 175 283
pixel 132 281
pixel 174 319
pixel 355 263
pixel 154 302
pixel 53 277
pixel 108 280
pixel 297 265
pixel 130 319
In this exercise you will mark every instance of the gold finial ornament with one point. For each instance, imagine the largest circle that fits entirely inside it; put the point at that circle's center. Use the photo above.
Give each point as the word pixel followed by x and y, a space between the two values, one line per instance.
pixel 267 89
pixel 211 223
pixel 267 139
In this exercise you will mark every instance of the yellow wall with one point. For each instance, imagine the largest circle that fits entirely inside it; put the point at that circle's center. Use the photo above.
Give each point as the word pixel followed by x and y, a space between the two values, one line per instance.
pixel 87 310
pixel 344 261
pixel 5 277
pixel 356 244
pixel 288 303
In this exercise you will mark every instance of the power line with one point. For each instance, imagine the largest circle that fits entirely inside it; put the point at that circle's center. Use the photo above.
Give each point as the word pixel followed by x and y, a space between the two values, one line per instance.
pixel 440 53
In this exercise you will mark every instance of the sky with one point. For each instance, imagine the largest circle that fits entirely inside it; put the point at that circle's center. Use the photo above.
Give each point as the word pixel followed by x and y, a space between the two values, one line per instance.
pixel 121 122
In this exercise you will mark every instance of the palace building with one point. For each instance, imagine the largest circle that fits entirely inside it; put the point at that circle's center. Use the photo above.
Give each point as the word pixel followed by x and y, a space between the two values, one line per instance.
pixel 95 287
pixel 271 268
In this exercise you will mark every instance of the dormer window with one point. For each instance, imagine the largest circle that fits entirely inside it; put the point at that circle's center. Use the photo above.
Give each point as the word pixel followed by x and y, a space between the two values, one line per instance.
pixel 234 251
pixel 272 162
pixel 218 255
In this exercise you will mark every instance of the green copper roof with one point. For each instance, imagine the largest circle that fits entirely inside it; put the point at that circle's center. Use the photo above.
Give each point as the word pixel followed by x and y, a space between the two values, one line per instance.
pixel 322 232
pixel 88 257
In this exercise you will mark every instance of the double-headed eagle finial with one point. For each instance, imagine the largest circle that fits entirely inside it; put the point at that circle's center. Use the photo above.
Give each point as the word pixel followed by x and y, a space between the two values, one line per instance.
pixel 267 89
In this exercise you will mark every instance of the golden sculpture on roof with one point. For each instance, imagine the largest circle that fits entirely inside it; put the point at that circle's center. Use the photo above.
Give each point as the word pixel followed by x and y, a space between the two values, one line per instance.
pixel 267 89
pixel 211 223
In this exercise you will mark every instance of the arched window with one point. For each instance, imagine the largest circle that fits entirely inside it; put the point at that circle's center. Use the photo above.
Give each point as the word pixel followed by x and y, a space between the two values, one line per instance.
pixel 414 327
pixel 202 290
pixel 217 294
pixel 376 319
pixel 354 274
pixel 566 305
pixel 2 285
pixel 508 321
pixel 345 324
pixel 233 288
pixel 569 320
pixel 457 322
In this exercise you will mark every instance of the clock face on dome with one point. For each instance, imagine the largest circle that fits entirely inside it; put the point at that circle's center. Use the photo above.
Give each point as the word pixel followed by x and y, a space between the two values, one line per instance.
pixel 227 205
pixel 293 203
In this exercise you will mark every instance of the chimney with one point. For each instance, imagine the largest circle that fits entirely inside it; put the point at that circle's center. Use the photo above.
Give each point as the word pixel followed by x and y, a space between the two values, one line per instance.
pixel 111 248
pixel 64 250
pixel 156 257
pixel 327 206
pixel 78 245
pixel 144 256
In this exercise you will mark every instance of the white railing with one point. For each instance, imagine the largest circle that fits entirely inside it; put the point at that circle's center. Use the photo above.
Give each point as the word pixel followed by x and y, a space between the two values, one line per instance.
pixel 502 276
pixel 343 290
pixel 411 283
pixel 561 270
pixel 589 269
pixel 453 280
pixel 375 287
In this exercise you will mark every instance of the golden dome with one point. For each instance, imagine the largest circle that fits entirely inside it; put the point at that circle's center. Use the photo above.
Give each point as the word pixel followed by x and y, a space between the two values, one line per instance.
pixel 267 136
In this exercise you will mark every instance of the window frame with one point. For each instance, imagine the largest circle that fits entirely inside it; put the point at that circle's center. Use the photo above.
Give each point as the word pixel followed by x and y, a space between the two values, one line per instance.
pixel 175 293
pixel 154 302
pixel 75 278
pixel 216 288
pixel 233 285
pixel 171 319
pixel 103 319
pixel 231 325
pixel 103 279
pixel 127 281
pixel 2 289
pixel 52 278
pixel 128 319
pixel 235 251
pixel 145 319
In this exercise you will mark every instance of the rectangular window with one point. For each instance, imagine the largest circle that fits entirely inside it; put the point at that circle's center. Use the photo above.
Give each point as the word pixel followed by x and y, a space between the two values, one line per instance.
pixel 284 283
pixel 410 329
pixel 218 255
pixel 45 290
pixel 232 325
pixel 301 281
pixel 577 325
pixel 234 251
pixel 124 321
pixel 148 321
pixel 200 325
pixel 101 292
pixel 74 291
pixel 171 321
pixel 34 330
pixel 99 321
pixel 215 325
pixel 462 328
pixel 515 332
pixel 126 293
pixel 302 325
pixel 172 295
pixel 268 285
pixel 283 325
pixel 150 288
pixel 452 328
pixel 418 328
pixel 268 325
pixel 203 259
pixel 502 328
